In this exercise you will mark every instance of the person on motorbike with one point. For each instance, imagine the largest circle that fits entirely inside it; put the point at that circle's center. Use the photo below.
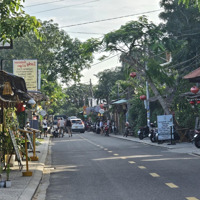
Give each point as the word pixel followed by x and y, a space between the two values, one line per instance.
pixel 126 132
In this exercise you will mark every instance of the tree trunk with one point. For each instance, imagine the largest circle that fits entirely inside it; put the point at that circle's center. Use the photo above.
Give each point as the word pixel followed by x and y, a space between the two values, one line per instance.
pixel 161 100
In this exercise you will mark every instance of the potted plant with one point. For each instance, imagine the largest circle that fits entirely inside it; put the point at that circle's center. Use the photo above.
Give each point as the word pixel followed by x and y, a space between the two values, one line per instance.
pixel 2 183
pixel 8 181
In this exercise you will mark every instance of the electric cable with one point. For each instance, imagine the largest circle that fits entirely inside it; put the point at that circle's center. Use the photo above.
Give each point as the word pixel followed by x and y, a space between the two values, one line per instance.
pixel 65 7
pixel 109 19
pixel 39 4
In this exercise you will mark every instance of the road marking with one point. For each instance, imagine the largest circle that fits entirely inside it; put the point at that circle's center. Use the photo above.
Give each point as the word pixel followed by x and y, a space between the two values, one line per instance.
pixel 115 154
pixel 123 158
pixel 154 175
pixel 142 167
pixel 109 151
pixel 131 162
pixel 171 185
pixel 105 149
pixel 191 198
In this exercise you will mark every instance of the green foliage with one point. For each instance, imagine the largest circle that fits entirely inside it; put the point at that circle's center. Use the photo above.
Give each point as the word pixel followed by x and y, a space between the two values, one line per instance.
pixel 14 22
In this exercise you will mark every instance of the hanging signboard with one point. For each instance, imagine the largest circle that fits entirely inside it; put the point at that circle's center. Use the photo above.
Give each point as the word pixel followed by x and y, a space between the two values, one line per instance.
pixel 28 70
pixel 165 122
pixel 16 149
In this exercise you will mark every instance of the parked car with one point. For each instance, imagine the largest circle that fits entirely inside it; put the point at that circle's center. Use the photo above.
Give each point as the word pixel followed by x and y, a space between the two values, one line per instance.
pixel 78 125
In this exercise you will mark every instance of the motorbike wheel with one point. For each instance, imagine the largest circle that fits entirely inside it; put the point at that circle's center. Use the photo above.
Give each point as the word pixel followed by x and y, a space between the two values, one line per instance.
pixel 141 136
pixel 197 143
pixel 153 138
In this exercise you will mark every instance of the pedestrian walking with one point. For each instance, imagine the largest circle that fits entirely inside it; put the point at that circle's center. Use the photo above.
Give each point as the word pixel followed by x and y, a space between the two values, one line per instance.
pixel 61 126
pixel 101 127
pixel 44 126
pixel 68 125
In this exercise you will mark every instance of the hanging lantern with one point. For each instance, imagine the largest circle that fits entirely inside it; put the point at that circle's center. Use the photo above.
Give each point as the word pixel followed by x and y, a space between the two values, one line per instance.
pixel 133 74
pixel 143 97
pixel 7 90
pixel 194 89
pixel 20 107
pixel 192 102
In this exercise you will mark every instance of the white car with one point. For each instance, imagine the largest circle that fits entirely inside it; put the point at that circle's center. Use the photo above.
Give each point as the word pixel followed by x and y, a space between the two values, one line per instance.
pixel 77 125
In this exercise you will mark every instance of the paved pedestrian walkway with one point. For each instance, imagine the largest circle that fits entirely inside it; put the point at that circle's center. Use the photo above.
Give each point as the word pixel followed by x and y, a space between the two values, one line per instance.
pixel 179 147
pixel 23 188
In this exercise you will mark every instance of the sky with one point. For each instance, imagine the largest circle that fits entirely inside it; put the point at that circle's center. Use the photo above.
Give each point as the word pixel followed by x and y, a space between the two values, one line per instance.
pixel 69 14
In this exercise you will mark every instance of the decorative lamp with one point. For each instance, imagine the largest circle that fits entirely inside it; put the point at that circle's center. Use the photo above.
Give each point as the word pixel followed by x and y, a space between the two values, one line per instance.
pixel 133 74
pixel 143 97
pixel 7 90
pixel 31 101
pixel 194 89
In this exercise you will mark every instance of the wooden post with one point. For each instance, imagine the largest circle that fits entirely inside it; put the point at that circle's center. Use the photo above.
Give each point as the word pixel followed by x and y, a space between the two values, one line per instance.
pixel 34 157
pixel 27 173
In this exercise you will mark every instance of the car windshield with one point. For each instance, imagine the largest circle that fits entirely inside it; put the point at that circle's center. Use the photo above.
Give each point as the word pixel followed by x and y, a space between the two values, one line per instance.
pixel 76 121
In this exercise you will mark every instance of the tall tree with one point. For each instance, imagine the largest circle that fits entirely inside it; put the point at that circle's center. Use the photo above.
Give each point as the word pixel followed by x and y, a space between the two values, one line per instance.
pixel 139 41
pixel 14 22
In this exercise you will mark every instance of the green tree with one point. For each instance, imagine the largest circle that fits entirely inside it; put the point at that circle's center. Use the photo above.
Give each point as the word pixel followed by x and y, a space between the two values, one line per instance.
pixel 189 2
pixel 139 41
pixel 106 88
pixel 14 22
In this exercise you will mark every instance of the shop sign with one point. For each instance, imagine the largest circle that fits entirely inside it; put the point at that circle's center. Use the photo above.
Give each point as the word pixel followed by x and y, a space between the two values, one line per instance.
pixel 28 70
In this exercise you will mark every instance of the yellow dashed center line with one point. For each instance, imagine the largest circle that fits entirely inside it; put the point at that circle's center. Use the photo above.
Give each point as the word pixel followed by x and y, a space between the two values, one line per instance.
pixel 105 149
pixel 191 198
pixel 142 167
pixel 171 185
pixel 131 162
pixel 154 175
pixel 109 151
pixel 115 154
pixel 123 158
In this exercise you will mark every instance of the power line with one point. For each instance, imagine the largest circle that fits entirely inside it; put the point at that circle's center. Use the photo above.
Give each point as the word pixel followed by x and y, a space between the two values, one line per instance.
pixel 86 33
pixel 39 4
pixel 65 6
pixel 109 19
pixel 105 60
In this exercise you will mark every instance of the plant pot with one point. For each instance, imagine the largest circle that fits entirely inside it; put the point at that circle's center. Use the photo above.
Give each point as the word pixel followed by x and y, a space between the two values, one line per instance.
pixel 8 184
pixel 2 184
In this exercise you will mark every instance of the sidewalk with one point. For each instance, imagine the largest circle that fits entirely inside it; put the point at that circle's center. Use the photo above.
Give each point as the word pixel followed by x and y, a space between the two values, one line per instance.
pixel 23 188
pixel 183 147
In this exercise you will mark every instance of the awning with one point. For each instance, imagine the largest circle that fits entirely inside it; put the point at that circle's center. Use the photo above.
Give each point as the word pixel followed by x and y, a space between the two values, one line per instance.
pixel 18 86
pixel 193 76
pixel 38 96
pixel 121 101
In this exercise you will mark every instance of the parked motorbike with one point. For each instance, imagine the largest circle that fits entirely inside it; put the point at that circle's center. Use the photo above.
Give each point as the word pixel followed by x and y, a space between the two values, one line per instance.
pixel 143 132
pixel 153 135
pixel 196 138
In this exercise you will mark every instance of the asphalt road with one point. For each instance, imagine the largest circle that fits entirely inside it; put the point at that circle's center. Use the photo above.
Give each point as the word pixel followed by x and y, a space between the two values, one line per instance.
pixel 93 167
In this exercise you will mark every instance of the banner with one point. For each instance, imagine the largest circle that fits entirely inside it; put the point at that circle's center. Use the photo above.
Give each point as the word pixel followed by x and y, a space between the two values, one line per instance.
pixel 28 70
